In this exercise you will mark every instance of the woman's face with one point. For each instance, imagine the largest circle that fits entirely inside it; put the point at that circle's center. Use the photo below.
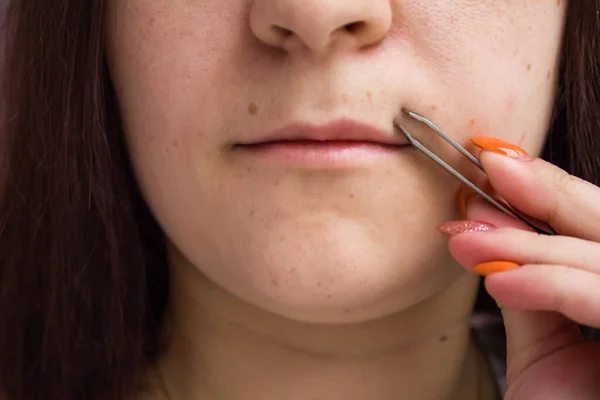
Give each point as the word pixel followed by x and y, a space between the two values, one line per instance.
pixel 322 229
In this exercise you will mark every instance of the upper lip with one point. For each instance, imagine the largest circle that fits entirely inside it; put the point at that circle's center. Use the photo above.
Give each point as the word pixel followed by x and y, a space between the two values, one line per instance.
pixel 340 130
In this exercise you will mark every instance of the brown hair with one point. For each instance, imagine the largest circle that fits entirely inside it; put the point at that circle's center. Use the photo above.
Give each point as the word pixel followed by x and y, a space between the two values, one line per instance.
pixel 83 273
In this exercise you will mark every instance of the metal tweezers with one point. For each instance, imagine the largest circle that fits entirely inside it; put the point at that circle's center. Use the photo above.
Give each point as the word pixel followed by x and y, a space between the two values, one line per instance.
pixel 537 225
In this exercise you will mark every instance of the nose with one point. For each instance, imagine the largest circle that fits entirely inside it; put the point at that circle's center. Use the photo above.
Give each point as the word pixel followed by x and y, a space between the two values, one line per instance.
pixel 320 25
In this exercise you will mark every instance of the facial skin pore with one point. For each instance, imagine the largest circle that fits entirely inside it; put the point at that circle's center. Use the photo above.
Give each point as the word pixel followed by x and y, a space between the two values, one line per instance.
pixel 322 280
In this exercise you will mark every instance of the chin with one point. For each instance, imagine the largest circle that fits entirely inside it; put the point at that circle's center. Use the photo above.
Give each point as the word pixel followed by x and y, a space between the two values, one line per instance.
pixel 342 272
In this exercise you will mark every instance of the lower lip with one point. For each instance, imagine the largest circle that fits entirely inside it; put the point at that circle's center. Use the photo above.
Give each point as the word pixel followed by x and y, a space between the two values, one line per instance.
pixel 319 154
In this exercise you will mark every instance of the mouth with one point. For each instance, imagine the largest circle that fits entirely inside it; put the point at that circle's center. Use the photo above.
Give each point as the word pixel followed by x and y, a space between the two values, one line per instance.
pixel 342 143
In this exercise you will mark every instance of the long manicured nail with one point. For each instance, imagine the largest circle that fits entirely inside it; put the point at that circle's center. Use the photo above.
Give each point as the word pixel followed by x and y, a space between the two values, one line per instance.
pixel 464 195
pixel 458 227
pixel 500 146
pixel 492 267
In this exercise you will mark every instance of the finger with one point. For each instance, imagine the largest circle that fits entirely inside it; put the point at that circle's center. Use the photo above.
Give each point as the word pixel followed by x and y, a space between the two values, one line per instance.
pixel 571 292
pixel 480 210
pixel 545 192
pixel 531 335
pixel 524 247
pixel 566 375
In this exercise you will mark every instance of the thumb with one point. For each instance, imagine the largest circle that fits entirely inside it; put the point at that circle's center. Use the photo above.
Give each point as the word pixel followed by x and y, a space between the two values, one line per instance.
pixel 531 335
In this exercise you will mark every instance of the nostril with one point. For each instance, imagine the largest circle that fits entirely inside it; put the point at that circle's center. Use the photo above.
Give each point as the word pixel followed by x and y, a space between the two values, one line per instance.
pixel 320 26
pixel 281 32
pixel 355 27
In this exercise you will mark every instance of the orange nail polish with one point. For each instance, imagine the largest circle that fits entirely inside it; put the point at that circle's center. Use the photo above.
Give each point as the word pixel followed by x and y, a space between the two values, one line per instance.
pixel 492 267
pixel 499 146
pixel 464 195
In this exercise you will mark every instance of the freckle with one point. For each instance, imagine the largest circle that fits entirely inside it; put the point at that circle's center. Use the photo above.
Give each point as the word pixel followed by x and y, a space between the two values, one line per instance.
pixel 369 96
pixel 345 98
pixel 528 67
pixel 274 280
pixel 346 310
pixel 548 76
pixel 443 338
pixel 473 129
pixel 433 107
pixel 329 296
pixel 319 284
pixel 351 195
pixel 175 143
pixel 252 109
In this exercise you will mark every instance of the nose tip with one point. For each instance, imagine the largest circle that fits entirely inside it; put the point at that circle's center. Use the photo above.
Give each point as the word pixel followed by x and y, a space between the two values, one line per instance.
pixel 319 25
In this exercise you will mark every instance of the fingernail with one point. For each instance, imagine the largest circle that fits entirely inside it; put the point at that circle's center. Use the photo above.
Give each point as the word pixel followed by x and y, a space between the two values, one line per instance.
pixel 458 227
pixel 500 146
pixel 464 195
pixel 492 267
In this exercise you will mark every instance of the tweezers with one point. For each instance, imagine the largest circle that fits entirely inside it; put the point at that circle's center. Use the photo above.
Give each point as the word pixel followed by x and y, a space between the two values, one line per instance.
pixel 537 225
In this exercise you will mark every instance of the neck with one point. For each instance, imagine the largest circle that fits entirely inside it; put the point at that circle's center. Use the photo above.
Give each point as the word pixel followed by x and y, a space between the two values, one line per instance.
pixel 229 349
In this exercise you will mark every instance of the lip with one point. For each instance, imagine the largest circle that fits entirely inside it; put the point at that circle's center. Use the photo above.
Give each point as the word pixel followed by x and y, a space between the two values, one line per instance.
pixel 344 130
pixel 340 144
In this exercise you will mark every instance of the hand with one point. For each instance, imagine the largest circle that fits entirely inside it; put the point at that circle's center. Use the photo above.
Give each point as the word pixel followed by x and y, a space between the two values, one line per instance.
pixel 555 282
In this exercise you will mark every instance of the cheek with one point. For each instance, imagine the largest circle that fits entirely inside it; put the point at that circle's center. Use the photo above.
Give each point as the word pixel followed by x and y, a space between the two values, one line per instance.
pixel 494 64
pixel 170 65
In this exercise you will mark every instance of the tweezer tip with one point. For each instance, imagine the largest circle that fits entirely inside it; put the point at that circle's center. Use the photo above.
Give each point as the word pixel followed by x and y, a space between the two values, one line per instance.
pixel 414 115
pixel 411 114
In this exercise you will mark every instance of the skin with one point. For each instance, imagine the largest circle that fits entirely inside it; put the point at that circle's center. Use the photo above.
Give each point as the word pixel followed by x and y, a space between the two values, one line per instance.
pixel 556 286
pixel 318 283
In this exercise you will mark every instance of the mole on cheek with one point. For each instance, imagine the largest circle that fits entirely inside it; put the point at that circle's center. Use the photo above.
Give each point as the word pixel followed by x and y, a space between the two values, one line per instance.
pixel 252 109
